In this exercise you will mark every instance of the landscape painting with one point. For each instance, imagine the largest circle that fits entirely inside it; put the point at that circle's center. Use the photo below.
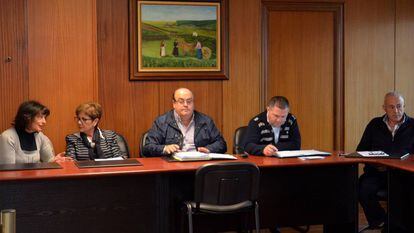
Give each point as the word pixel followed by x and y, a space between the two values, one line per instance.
pixel 178 36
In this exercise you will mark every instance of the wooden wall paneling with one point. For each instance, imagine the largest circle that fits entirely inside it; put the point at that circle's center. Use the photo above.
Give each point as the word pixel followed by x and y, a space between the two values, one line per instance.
pixel 13 73
pixel 369 63
pixel 62 60
pixel 129 107
pixel 241 93
pixel 404 59
pixel 302 48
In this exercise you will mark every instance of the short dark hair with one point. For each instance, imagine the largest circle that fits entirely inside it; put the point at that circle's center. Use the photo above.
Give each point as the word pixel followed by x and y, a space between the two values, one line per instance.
pixel 27 112
pixel 279 101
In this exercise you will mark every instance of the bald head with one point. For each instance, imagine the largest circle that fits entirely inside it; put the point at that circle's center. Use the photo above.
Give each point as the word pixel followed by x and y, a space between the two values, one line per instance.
pixel 183 103
pixel 181 91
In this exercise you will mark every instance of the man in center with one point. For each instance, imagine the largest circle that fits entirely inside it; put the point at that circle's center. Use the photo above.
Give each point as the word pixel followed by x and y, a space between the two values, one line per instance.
pixel 183 129
pixel 272 130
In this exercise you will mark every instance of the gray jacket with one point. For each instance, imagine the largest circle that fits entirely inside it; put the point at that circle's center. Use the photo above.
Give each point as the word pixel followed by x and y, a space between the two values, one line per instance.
pixel 165 131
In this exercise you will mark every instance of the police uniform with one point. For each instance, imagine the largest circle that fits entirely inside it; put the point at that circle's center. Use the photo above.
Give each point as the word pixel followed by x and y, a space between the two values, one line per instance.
pixel 260 134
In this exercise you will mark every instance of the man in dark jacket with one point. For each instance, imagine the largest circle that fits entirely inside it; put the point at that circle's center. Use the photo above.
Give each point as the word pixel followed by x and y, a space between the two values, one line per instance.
pixel 273 130
pixel 183 129
pixel 392 133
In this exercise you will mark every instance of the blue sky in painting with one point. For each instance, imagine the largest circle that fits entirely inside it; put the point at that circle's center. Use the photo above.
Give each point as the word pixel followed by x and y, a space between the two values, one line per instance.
pixel 177 12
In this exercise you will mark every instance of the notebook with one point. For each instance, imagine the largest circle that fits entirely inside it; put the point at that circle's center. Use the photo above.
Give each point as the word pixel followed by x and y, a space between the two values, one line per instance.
pixel 198 156
pixel 29 166
pixel 300 153
pixel 376 155
pixel 107 163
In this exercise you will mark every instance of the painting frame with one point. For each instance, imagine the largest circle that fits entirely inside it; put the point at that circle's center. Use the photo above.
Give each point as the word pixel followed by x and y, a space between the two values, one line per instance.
pixel 219 51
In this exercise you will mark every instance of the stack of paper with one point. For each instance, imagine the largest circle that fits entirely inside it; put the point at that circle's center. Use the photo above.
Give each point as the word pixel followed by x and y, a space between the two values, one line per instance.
pixel 299 153
pixel 195 155
pixel 372 153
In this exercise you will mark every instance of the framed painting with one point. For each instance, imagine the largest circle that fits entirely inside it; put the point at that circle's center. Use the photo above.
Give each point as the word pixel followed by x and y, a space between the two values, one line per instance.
pixel 176 40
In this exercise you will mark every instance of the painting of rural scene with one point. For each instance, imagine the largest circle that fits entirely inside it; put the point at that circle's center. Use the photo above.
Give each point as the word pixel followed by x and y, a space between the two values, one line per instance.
pixel 178 36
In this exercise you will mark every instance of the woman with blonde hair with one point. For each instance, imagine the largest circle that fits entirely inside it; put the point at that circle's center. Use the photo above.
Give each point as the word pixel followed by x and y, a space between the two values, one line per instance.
pixel 91 142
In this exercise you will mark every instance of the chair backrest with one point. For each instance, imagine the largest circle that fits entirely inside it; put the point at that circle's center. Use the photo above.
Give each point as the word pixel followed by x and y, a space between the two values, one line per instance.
pixel 142 143
pixel 226 183
pixel 123 145
pixel 238 147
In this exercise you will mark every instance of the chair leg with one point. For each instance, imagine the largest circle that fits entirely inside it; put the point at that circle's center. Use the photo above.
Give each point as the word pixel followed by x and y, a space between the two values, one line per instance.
pixel 256 217
pixel 190 218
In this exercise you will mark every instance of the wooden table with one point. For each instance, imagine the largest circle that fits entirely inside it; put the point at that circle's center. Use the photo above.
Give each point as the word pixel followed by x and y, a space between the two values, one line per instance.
pixel 147 198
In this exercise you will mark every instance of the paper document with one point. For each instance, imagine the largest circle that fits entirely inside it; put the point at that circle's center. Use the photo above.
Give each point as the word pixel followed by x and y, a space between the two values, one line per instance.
pixel 299 153
pixel 221 156
pixel 110 159
pixel 195 155
pixel 312 157
pixel 372 153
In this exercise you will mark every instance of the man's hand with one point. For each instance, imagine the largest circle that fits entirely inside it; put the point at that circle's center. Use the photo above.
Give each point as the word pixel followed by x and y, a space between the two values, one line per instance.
pixel 203 149
pixel 169 149
pixel 269 150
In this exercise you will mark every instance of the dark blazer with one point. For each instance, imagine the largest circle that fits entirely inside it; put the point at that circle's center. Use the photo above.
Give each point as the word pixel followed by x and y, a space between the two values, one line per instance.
pixel 165 131
pixel 76 149
pixel 377 137
pixel 260 134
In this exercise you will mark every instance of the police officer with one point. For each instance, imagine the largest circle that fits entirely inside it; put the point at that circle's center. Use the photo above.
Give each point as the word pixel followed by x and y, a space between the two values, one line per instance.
pixel 272 130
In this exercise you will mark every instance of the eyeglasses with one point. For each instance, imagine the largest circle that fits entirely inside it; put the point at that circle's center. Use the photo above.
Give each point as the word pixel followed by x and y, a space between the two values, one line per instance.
pixel 83 120
pixel 183 101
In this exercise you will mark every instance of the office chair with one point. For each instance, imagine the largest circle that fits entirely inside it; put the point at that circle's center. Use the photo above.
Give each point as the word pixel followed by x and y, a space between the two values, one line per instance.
pixel 238 140
pixel 123 145
pixel 142 143
pixel 225 188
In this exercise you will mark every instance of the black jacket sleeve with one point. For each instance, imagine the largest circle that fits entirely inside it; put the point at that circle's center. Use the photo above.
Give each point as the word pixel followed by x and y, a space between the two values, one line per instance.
pixel 154 144
pixel 365 143
pixel 218 144
pixel 252 140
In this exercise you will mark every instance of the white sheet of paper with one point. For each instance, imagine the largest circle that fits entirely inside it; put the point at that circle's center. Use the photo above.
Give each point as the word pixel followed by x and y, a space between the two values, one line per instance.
pixel 297 153
pixel 372 153
pixel 221 156
pixel 110 159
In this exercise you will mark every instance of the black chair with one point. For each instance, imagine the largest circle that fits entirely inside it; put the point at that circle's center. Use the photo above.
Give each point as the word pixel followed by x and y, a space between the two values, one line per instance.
pixel 238 147
pixel 225 188
pixel 142 143
pixel 123 145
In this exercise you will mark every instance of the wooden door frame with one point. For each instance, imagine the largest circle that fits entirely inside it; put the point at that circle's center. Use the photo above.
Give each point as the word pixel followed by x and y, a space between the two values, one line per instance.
pixel 338 69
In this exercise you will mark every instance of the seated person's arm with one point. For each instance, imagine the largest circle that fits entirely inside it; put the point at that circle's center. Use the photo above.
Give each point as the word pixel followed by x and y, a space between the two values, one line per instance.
pixel 294 139
pixel 217 143
pixel 252 140
pixel 47 154
pixel 70 148
pixel 155 142
pixel 7 150
pixel 365 143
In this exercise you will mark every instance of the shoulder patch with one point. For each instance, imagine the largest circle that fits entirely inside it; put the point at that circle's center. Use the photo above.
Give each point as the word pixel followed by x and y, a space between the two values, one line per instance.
pixel 256 119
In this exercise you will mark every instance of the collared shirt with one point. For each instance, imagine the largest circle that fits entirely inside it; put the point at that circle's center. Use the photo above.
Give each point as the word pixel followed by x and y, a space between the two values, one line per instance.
pixel 394 129
pixel 188 133
pixel 276 132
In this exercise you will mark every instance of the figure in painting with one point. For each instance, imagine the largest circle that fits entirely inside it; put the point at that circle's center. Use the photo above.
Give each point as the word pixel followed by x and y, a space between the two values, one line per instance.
pixel 175 49
pixel 199 52
pixel 162 49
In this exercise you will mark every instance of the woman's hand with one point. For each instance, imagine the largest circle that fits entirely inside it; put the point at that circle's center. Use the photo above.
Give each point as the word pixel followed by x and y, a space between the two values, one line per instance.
pixel 61 157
